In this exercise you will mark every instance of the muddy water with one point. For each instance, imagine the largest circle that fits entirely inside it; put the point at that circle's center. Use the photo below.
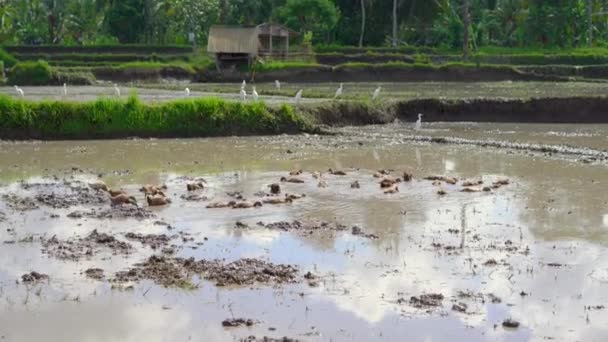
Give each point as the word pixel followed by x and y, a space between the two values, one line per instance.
pixel 534 251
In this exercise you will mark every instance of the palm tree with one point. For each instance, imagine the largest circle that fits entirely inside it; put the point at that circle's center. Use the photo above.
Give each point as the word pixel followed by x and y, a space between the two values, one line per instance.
pixel 467 23
pixel 395 23
pixel 362 23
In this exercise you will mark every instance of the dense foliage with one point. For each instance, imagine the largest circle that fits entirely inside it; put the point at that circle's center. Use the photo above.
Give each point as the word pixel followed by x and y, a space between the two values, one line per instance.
pixel 436 23
pixel 114 118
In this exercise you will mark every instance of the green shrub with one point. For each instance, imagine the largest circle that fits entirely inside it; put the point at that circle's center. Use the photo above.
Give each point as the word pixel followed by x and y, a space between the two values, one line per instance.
pixel 31 73
pixel 7 58
pixel 111 118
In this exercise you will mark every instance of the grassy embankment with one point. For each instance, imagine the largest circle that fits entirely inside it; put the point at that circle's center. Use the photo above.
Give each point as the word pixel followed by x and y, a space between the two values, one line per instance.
pixel 86 64
pixel 110 118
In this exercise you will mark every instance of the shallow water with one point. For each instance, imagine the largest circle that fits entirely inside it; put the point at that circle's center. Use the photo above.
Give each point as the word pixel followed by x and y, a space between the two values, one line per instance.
pixel 547 231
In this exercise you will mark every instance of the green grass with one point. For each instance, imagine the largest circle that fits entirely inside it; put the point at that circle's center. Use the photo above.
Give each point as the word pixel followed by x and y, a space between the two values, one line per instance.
pixel 112 118
pixel 31 73
pixel 279 65
pixel 102 57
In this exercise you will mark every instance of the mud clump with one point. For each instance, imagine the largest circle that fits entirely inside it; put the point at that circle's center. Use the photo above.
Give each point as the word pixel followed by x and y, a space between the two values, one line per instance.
pixel 94 273
pixel 237 322
pixel 510 323
pixel 194 198
pixel 162 270
pixel 242 272
pixel 268 339
pixel 446 179
pixel 275 188
pixel 77 248
pixel 427 300
pixel 19 203
pixel 460 307
pixel 153 240
pixel 34 277
pixel 176 272
pixel 315 227
pixel 115 212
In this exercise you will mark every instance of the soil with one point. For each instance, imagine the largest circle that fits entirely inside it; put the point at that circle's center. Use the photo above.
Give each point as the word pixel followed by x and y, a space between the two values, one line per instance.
pixel 114 212
pixel 176 272
pixel 268 339
pixel 510 323
pixel 34 277
pixel 76 248
pixel 427 300
pixel 153 240
pixel 94 273
pixel 237 322
pixel 309 228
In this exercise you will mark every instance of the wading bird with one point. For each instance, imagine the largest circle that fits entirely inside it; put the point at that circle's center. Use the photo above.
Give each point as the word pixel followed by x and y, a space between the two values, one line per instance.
pixel 255 95
pixel 187 91
pixel 116 90
pixel 277 84
pixel 339 91
pixel 19 91
pixel 243 94
pixel 244 84
pixel 418 124
pixel 299 95
pixel 65 89
pixel 376 93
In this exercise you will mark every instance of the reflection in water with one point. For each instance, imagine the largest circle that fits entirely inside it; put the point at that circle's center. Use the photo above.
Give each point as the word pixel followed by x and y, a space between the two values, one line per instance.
pixel 542 236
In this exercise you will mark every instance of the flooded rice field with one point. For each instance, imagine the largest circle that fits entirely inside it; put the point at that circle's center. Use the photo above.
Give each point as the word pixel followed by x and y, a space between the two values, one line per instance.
pixel 382 234
pixel 315 92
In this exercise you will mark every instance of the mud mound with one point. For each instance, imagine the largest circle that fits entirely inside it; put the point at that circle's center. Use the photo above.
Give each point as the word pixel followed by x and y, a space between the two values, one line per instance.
pixel 115 212
pixel 19 203
pixel 155 241
pixel 176 272
pixel 34 277
pixel 77 248
pixel 310 228
pixel 268 339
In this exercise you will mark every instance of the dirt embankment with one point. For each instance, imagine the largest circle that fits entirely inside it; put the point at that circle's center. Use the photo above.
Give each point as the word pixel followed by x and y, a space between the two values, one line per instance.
pixel 547 110
pixel 382 73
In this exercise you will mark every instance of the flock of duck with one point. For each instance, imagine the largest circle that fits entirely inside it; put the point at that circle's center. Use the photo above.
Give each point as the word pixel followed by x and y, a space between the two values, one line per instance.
pixel 388 184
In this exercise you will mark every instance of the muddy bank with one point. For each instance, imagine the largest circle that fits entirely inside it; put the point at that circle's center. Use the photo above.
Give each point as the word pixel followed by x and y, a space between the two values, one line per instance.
pixel 546 110
pixel 383 73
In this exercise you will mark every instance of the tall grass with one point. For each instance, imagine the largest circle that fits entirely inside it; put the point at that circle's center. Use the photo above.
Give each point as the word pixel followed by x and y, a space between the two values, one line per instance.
pixel 112 118
pixel 31 73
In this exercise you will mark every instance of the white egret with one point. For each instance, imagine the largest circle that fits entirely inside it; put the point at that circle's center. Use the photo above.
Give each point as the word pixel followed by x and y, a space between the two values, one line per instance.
pixel 339 91
pixel 116 90
pixel 19 91
pixel 187 92
pixel 65 89
pixel 255 95
pixel 299 95
pixel 243 94
pixel 418 124
pixel 376 93
pixel 277 84
pixel 244 84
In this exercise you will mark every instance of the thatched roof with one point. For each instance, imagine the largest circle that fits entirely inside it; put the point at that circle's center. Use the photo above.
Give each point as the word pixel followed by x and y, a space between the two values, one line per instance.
pixel 233 39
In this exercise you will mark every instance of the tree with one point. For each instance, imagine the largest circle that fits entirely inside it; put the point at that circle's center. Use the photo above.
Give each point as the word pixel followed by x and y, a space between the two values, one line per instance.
pixel 84 20
pixel 317 16
pixel 465 34
pixel 125 20
pixel 362 23
pixel 395 22
pixel 194 16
